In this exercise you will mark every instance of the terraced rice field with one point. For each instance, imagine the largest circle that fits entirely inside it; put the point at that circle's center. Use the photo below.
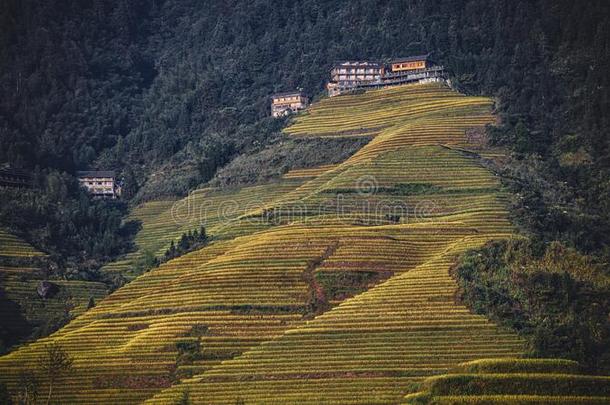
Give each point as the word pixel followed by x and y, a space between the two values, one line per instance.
pixel 307 173
pixel 514 381
pixel 12 246
pixel 331 286
pixel 21 305
pixel 164 221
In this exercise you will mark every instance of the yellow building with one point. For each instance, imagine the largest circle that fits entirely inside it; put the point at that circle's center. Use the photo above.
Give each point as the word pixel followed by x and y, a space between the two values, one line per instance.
pixel 410 63
pixel 287 103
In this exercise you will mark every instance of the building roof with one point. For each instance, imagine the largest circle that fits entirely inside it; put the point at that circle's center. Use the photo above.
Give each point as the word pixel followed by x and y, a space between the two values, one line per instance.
pixel 95 173
pixel 363 63
pixel 411 58
pixel 9 171
pixel 288 93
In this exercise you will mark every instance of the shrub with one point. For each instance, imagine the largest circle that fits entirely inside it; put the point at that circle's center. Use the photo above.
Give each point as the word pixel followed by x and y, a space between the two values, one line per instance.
pixel 188 242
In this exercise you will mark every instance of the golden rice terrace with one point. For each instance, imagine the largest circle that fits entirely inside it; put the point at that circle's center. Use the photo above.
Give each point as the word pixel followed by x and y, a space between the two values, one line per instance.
pixel 329 286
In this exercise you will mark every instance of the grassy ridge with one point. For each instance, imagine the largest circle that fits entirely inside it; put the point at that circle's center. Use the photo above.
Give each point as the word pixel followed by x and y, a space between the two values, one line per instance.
pixel 514 381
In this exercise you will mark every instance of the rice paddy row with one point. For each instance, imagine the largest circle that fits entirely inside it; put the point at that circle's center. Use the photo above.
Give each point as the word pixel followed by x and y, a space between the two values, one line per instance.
pixel 13 246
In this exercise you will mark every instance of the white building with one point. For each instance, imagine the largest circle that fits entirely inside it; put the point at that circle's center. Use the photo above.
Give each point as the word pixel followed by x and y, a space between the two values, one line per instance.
pixel 100 183
pixel 350 74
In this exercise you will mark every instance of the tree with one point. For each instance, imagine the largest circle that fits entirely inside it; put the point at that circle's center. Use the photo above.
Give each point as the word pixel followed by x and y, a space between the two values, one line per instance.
pixel 184 399
pixel 28 384
pixel 184 244
pixel 170 253
pixel 147 261
pixel 522 139
pixel 54 364
pixel 5 397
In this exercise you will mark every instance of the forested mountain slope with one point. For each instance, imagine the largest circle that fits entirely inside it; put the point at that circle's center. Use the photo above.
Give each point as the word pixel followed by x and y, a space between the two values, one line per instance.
pixel 166 91
pixel 327 289
pixel 174 96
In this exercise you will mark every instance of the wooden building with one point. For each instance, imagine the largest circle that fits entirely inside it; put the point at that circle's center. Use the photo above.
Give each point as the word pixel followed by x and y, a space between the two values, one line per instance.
pixel 348 74
pixel 346 77
pixel 410 63
pixel 287 103
pixel 100 184
pixel 10 177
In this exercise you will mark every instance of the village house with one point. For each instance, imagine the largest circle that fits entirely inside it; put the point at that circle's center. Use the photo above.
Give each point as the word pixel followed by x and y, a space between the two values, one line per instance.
pixel 287 103
pixel 410 63
pixel 346 77
pixel 11 177
pixel 101 184
pixel 349 74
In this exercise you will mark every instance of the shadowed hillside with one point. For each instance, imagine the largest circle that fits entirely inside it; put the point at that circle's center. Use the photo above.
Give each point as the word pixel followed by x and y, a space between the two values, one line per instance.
pixel 24 313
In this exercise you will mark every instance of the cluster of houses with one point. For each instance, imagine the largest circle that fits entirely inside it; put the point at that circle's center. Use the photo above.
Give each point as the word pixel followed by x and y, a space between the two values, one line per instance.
pixel 345 77
pixel 348 76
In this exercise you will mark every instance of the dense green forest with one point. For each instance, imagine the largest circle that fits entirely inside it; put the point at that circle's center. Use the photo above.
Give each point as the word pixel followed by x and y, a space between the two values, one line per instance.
pixel 554 296
pixel 166 92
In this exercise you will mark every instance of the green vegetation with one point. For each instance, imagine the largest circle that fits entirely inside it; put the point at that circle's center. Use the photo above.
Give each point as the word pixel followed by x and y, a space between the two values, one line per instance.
pixel 57 217
pixel 513 381
pixel 5 397
pixel 174 97
pixel 368 347
pixel 281 155
pixel 189 241
pixel 411 188
pixel 534 365
pixel 557 298
pixel 12 246
pixel 165 221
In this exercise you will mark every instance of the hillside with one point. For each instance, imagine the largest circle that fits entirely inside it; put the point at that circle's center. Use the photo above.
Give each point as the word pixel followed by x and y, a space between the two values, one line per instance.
pixel 24 314
pixel 326 285
pixel 167 93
